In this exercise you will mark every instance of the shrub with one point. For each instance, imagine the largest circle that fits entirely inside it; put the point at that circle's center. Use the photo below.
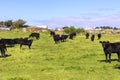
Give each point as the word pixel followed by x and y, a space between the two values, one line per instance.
pixel 73 29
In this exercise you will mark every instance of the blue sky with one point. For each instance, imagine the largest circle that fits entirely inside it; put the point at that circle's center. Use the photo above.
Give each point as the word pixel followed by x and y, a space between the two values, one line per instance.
pixel 60 13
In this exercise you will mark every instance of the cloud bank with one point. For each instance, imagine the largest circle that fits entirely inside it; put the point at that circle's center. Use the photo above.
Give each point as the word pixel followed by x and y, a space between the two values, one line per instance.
pixel 83 21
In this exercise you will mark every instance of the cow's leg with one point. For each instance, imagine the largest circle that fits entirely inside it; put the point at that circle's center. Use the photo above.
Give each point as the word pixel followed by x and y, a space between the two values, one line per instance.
pixel 20 46
pixel 118 56
pixel 29 46
pixel 106 57
pixel 109 58
pixel 3 52
pixel 5 48
pixel 37 37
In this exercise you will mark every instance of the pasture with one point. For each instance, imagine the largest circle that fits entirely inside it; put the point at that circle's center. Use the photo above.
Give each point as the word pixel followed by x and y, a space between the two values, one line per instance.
pixel 78 59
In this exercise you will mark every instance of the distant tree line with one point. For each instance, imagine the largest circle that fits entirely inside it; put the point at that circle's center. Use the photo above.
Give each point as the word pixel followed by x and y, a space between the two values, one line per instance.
pixel 107 27
pixel 14 24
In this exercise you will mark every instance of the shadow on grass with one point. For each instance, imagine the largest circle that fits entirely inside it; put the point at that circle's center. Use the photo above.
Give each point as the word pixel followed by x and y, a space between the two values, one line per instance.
pixel 7 55
pixel 117 66
pixel 26 48
pixel 18 78
pixel 108 61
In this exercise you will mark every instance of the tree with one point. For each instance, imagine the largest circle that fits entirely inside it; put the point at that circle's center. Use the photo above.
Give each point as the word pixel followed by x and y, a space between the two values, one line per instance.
pixel 67 30
pixel 80 30
pixel 70 29
pixel 19 23
pixel 1 23
pixel 8 23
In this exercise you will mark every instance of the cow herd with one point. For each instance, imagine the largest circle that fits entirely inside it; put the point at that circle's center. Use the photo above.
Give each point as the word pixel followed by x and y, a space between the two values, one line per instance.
pixel 8 42
pixel 61 38
pixel 5 42
pixel 108 47
pixel 93 36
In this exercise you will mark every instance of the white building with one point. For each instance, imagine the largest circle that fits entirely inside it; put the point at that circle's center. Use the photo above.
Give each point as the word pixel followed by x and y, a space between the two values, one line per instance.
pixel 42 26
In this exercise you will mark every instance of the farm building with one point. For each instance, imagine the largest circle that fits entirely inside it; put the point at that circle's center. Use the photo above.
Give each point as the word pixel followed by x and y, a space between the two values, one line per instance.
pixel 35 29
pixel 5 28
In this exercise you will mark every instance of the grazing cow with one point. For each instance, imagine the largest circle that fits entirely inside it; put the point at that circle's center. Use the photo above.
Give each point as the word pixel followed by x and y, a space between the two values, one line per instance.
pixel 26 42
pixel 9 42
pixel 92 37
pixel 110 48
pixel 99 36
pixel 87 35
pixel 2 48
pixel 57 38
pixel 63 38
pixel 52 33
pixel 36 35
pixel 18 40
pixel 72 35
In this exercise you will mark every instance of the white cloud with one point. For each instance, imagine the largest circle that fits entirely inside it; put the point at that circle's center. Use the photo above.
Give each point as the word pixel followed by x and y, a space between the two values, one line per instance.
pixel 83 21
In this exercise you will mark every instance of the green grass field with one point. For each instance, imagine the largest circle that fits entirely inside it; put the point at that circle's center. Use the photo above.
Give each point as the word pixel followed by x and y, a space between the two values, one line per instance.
pixel 77 59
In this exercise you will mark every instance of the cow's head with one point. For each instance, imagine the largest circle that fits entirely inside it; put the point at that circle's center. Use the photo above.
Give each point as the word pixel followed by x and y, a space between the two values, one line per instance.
pixel 104 43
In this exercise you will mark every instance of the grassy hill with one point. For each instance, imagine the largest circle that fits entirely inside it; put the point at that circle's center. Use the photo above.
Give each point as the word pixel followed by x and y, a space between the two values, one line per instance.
pixel 78 59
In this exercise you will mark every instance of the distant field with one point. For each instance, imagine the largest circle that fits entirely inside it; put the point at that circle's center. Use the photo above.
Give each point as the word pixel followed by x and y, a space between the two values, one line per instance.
pixel 77 59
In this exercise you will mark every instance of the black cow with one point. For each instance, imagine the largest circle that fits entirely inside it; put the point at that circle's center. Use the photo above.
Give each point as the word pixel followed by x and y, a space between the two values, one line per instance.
pixel 12 42
pixel 110 48
pixel 36 35
pixel 3 48
pixel 99 36
pixel 9 42
pixel 63 38
pixel 72 35
pixel 18 40
pixel 92 37
pixel 52 33
pixel 26 42
pixel 87 35
pixel 57 38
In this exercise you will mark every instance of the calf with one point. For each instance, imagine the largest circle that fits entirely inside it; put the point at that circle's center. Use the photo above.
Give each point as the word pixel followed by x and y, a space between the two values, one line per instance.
pixel 99 36
pixel 63 38
pixel 92 37
pixel 110 48
pixel 26 42
pixel 87 35
pixel 57 38
pixel 72 35
pixel 36 35
pixel 52 33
